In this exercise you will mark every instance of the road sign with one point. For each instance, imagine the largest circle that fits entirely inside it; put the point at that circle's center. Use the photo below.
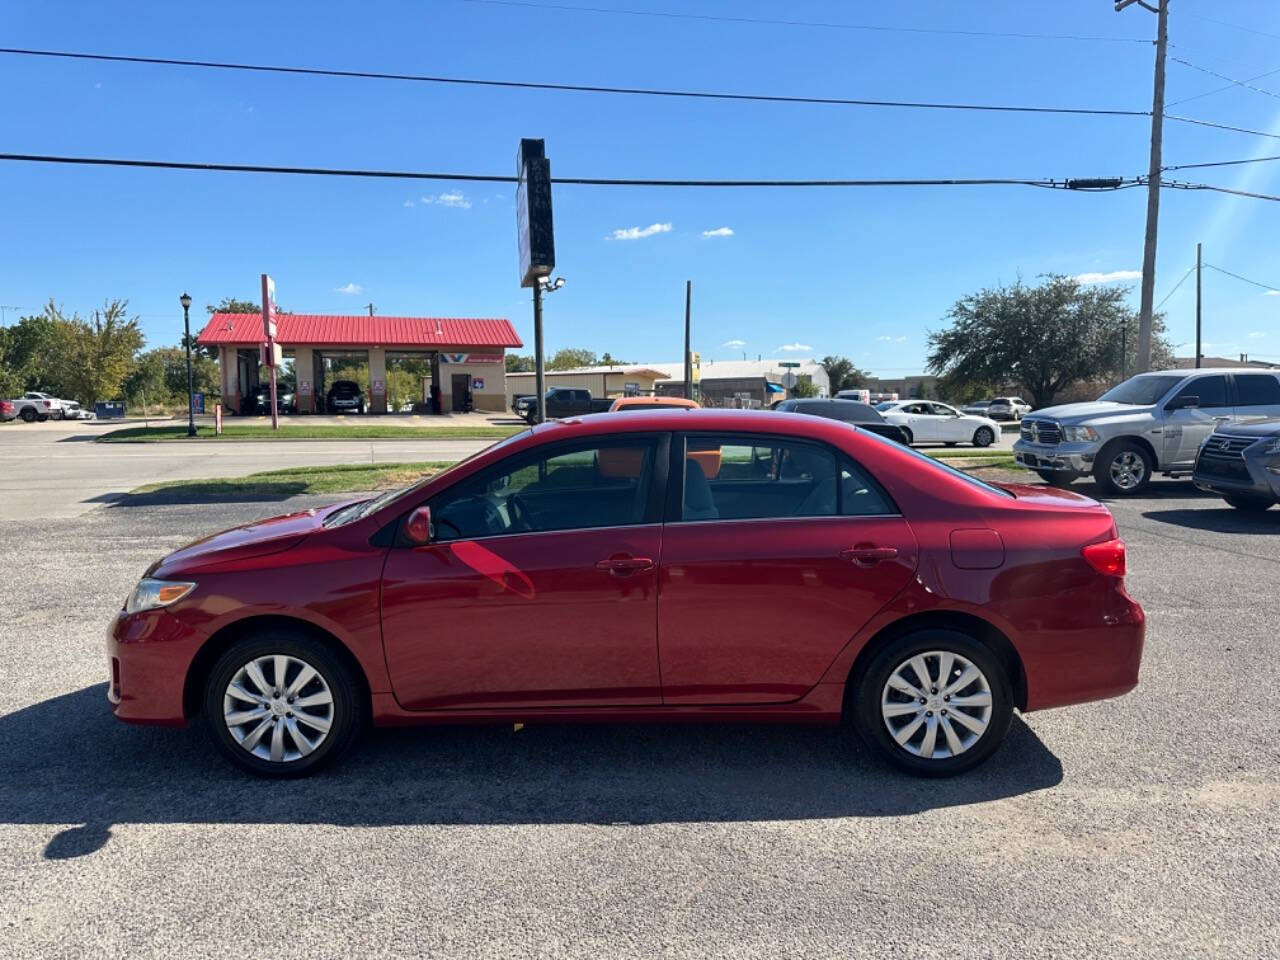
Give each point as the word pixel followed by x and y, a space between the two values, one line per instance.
pixel 789 380
pixel 788 363
pixel 533 213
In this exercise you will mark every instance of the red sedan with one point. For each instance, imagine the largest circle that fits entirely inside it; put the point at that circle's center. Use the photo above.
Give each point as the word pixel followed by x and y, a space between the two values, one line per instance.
pixel 663 566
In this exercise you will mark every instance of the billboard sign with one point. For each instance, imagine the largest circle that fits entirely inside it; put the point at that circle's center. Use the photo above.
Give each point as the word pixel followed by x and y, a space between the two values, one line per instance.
pixel 268 308
pixel 534 232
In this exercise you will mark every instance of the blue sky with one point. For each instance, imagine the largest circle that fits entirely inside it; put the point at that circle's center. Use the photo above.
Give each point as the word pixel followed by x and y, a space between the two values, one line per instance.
pixel 864 273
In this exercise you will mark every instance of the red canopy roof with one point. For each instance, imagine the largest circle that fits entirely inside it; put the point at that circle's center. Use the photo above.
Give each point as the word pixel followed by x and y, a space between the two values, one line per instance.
pixel 302 329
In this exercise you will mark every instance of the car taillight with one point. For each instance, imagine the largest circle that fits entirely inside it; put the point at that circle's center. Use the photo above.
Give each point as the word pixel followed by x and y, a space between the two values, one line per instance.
pixel 1106 557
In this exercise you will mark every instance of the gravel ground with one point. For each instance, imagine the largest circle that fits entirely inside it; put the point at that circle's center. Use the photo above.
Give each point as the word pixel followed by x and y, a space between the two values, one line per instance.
pixel 1140 827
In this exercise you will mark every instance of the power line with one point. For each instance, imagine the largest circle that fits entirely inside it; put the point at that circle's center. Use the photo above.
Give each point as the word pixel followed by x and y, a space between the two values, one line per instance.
pixel 1190 270
pixel 1264 286
pixel 1222 76
pixel 1230 86
pixel 1119 183
pixel 569 87
pixel 1221 126
pixel 1233 26
pixel 710 18
pixel 1183 185
pixel 1219 163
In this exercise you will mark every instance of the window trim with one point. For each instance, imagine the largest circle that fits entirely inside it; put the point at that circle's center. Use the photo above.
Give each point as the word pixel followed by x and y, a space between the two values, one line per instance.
pixel 675 485
pixel 660 441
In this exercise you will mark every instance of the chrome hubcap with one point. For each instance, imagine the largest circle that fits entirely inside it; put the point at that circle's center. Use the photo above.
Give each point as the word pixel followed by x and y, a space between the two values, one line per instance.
pixel 936 705
pixel 278 708
pixel 1128 470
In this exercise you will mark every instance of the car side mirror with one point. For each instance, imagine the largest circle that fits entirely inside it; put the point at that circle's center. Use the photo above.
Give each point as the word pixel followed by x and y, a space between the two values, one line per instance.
pixel 1183 402
pixel 417 528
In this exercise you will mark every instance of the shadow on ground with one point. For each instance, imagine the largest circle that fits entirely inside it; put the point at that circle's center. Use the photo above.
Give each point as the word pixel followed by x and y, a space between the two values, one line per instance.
pixel 196 492
pixel 68 761
pixel 1225 520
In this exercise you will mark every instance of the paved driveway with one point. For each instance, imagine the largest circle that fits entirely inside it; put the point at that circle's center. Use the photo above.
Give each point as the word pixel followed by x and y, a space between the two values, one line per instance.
pixel 1140 827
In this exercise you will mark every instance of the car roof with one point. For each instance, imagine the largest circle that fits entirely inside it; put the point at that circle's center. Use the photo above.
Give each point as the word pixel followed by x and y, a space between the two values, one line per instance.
pixel 682 403
pixel 679 418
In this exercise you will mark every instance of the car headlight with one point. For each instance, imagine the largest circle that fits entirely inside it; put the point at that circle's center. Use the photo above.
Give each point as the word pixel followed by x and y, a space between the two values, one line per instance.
pixel 1272 447
pixel 150 594
pixel 1079 434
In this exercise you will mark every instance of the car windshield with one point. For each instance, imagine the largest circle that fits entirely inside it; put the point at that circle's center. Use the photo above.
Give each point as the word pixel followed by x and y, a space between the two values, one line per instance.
pixel 365 508
pixel 1142 390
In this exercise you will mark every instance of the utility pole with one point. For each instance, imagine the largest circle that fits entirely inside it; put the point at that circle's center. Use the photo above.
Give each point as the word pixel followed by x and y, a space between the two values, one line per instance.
pixel 539 379
pixel 1197 306
pixel 1153 180
pixel 688 356
pixel 1124 348
pixel 370 306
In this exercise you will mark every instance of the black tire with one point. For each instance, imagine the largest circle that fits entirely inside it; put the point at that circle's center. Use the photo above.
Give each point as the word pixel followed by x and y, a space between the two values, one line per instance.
pixel 983 437
pixel 865 708
pixel 1056 478
pixel 907 437
pixel 1249 504
pixel 28 415
pixel 1124 457
pixel 347 715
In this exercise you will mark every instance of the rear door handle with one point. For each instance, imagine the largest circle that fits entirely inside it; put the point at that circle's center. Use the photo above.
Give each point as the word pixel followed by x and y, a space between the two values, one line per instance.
pixel 867 556
pixel 625 564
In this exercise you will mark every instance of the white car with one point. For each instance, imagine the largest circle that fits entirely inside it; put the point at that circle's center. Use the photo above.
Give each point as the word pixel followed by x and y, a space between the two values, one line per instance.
pixel 927 421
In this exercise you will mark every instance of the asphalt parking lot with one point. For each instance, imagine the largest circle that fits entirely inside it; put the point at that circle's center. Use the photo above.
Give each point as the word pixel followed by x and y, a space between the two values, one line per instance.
pixel 1140 827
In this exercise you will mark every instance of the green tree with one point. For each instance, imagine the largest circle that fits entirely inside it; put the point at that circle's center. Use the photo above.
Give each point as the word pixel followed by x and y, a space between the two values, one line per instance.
pixel 517 364
pixel 609 360
pixel 1042 338
pixel 29 348
pixel 804 387
pixel 571 357
pixel 842 373
pixel 92 358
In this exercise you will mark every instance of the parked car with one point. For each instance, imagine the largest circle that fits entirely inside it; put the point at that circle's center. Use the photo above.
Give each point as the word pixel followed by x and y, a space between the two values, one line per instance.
pixel 927 421
pixel 848 411
pixel 1007 408
pixel 1241 463
pixel 73 411
pixel 823 574
pixel 33 406
pixel 977 408
pixel 632 404
pixel 344 396
pixel 8 410
pixel 562 402
pixel 286 400
pixel 1151 422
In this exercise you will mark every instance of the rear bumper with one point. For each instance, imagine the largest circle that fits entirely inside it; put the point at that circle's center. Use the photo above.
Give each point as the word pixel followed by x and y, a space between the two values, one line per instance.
pixel 1096 658
pixel 148 656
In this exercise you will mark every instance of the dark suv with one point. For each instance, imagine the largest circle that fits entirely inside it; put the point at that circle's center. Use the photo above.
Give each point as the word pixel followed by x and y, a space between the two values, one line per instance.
pixel 1241 463
pixel 850 411
pixel 345 397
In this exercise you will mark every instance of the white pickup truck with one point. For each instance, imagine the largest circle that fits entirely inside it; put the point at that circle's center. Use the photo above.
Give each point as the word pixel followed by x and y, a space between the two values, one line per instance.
pixel 1154 422
pixel 33 406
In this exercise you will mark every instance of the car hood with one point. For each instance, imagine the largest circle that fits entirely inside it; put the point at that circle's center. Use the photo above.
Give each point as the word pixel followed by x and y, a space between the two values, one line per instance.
pixel 1255 428
pixel 258 539
pixel 1090 411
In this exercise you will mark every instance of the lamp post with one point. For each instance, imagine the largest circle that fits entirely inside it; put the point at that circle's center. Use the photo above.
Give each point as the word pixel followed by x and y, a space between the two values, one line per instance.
pixel 185 300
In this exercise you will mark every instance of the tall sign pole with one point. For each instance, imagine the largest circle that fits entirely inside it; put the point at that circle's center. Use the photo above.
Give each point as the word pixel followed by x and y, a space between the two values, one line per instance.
pixel 1153 181
pixel 688 355
pixel 537 244
pixel 1197 306
pixel 269 335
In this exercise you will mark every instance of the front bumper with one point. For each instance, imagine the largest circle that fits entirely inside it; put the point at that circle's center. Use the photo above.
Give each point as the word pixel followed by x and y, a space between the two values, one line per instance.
pixel 1058 458
pixel 1254 475
pixel 148 657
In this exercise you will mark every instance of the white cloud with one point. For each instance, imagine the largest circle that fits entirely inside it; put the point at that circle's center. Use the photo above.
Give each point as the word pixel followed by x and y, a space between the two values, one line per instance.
pixel 886 339
pixel 352 288
pixel 1256 334
pixel 795 348
pixel 635 233
pixel 1272 293
pixel 410 203
pixel 1111 277
pixel 450 198
pixel 899 339
pixel 735 344
pixel 718 232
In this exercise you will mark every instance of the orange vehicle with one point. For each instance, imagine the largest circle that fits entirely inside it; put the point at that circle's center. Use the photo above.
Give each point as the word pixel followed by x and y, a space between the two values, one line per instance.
pixel 651 403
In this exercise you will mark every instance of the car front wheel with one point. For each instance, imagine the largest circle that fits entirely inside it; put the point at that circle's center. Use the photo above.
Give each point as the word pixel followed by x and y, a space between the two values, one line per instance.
pixel 934 703
pixel 1123 469
pixel 983 437
pixel 280 704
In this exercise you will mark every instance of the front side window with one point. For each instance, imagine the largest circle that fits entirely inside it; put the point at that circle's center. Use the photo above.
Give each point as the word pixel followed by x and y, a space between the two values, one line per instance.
pixel 1258 389
pixel 597 484
pixel 942 410
pixel 740 478
pixel 1212 391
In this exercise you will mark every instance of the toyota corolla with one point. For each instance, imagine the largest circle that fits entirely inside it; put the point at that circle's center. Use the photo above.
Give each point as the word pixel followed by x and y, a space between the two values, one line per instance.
pixel 665 566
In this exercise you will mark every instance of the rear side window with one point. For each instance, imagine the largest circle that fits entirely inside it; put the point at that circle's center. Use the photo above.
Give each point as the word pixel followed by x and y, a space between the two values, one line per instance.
pixel 1212 391
pixel 1257 389
pixel 740 478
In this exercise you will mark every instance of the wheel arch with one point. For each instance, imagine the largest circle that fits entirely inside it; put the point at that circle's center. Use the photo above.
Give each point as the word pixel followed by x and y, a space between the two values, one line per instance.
pixel 981 630
pixel 217 644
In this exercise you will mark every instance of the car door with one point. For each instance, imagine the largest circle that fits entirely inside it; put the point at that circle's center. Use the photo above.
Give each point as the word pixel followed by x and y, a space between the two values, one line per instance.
pixel 770 566
pixel 1257 396
pixel 950 424
pixel 1186 428
pixel 920 421
pixel 539 588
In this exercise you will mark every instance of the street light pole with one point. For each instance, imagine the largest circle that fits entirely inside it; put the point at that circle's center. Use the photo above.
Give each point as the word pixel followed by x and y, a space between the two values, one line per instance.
pixel 185 300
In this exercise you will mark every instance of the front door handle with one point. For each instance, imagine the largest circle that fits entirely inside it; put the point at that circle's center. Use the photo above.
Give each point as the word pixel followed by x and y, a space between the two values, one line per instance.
pixel 625 564
pixel 866 556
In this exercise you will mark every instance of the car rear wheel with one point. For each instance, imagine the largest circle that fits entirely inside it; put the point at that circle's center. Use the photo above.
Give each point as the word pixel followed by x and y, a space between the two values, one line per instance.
pixel 28 415
pixel 279 704
pixel 907 436
pixel 934 703
pixel 983 437
pixel 1249 504
pixel 1123 469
